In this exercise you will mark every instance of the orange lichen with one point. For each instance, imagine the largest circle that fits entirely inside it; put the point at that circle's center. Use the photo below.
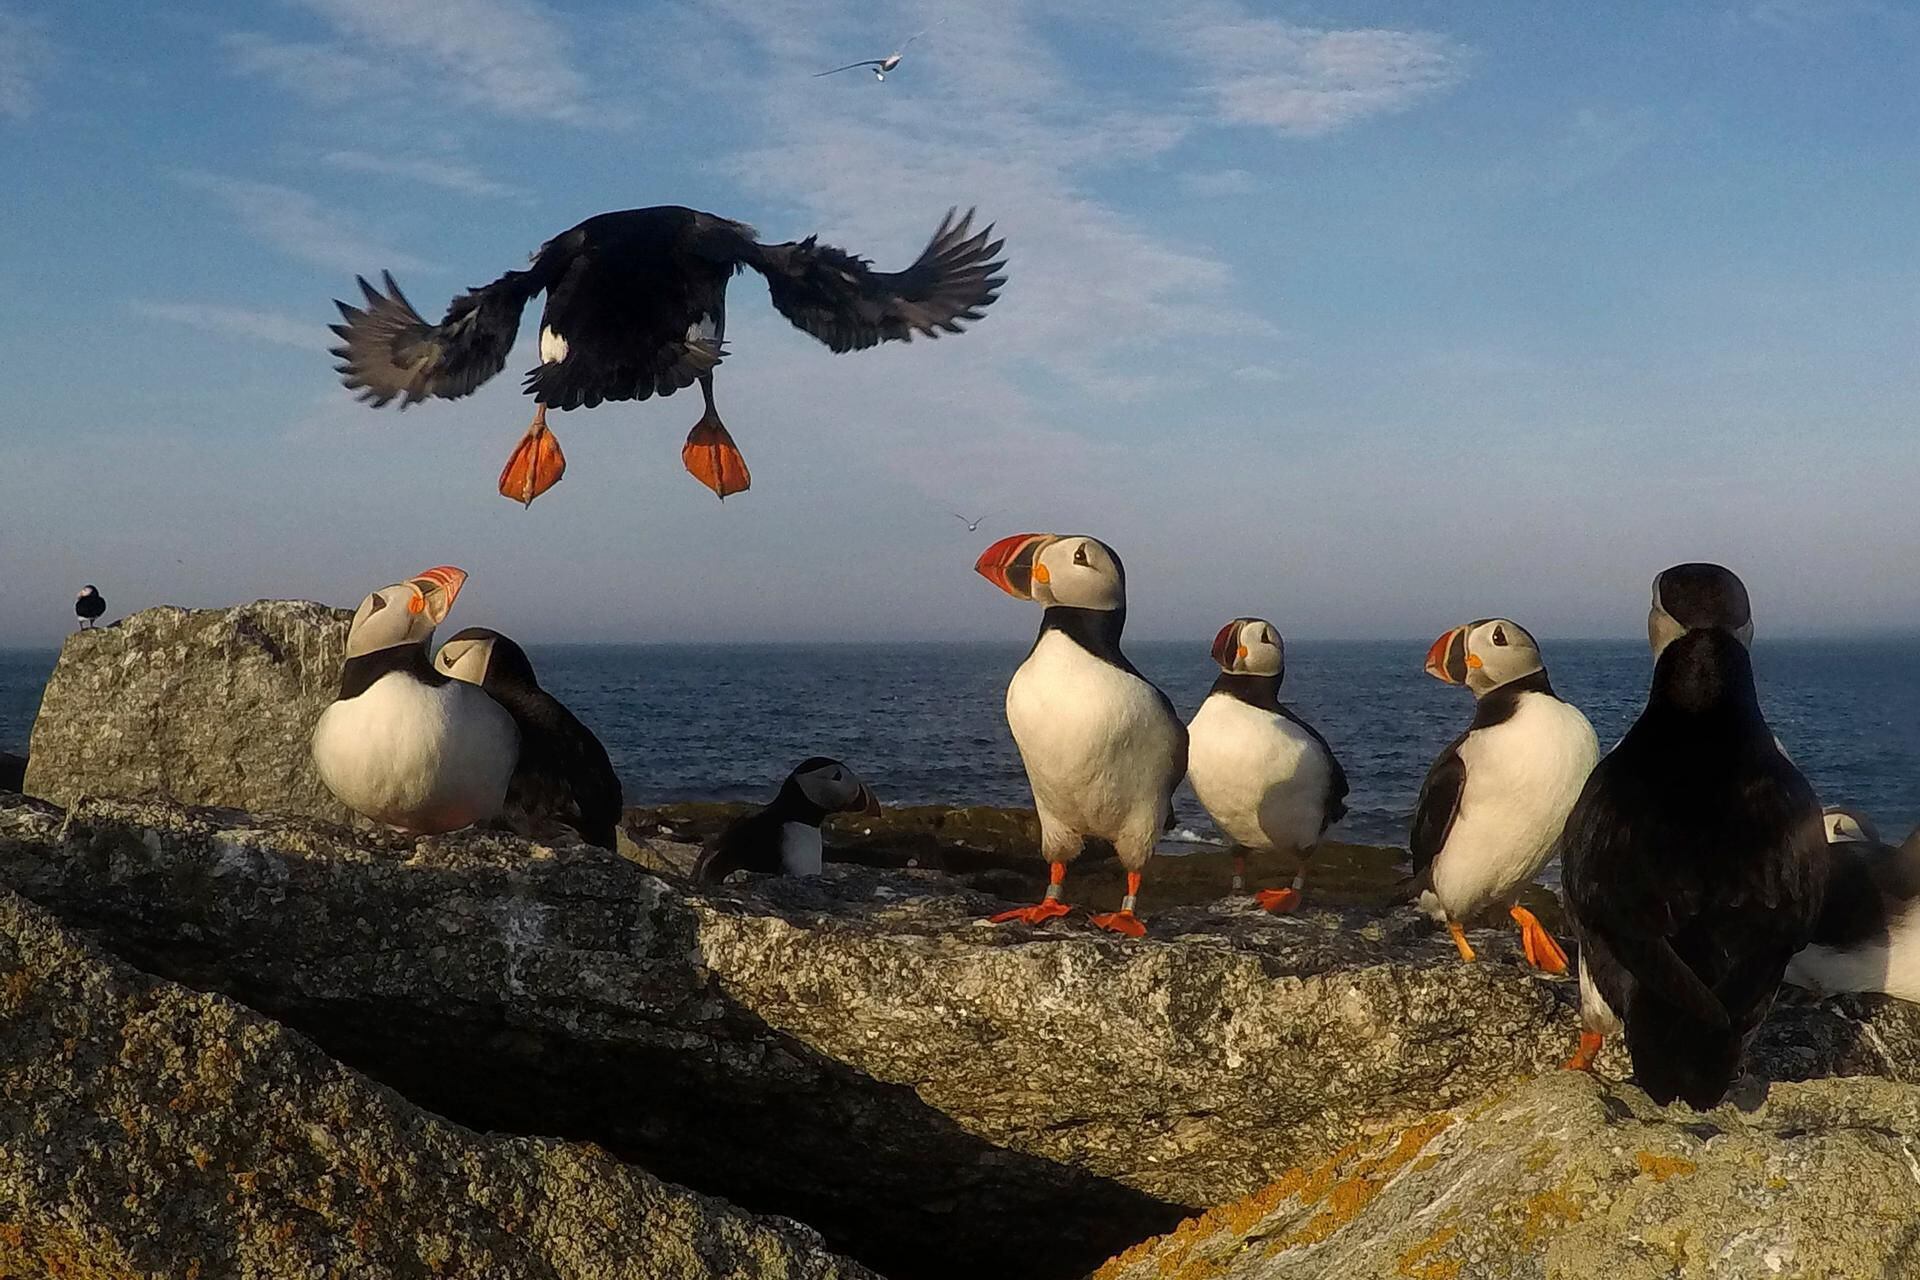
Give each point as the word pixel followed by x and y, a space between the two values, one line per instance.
pixel 1548 1212
pixel 13 990
pixel 1660 1168
pixel 12 1233
pixel 1420 1264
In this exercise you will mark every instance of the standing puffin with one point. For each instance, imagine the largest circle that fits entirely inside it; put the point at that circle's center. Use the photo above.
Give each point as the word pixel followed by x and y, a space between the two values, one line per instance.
pixel 1494 802
pixel 636 307
pixel 1103 748
pixel 563 774
pixel 1268 778
pixel 1696 858
pixel 404 744
pixel 89 606
pixel 783 838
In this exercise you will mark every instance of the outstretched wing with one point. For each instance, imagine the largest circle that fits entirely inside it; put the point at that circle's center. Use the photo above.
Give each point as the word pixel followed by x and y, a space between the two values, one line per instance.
pixel 870 62
pixel 387 349
pixel 842 301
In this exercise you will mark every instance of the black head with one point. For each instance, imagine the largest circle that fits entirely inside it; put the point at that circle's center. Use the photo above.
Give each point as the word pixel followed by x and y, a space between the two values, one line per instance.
pixel 1698 597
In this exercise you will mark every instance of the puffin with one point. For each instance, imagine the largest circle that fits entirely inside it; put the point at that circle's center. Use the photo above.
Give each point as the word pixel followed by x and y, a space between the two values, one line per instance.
pixel 1494 802
pixel 1696 860
pixel 1867 937
pixel 1103 748
pixel 89 606
pixel 1267 777
pixel 783 837
pixel 563 774
pixel 404 744
pixel 636 307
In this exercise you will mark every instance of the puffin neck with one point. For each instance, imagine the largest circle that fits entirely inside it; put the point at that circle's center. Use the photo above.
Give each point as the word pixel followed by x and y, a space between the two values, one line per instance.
pixel 1095 630
pixel 1532 682
pixel 358 674
pixel 1707 673
pixel 1256 691
pixel 793 805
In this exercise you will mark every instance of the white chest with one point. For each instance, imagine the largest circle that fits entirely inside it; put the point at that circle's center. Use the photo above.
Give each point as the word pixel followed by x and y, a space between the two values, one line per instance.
pixel 417 756
pixel 801 850
pixel 1262 777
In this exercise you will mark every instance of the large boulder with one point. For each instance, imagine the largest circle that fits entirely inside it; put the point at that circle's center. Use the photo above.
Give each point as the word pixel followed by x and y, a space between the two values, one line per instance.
pixel 1570 1176
pixel 938 1096
pixel 203 706
pixel 150 1130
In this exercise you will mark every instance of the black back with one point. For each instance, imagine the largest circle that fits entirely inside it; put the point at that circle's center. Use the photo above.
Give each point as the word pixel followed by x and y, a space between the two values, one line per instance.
pixel 90 607
pixel 1263 692
pixel 1694 864
pixel 1439 803
pixel 751 842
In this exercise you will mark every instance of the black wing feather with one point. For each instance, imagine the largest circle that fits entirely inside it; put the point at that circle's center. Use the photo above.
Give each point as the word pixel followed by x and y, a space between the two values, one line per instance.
pixel 750 842
pixel 1439 805
pixel 564 772
pixel 387 349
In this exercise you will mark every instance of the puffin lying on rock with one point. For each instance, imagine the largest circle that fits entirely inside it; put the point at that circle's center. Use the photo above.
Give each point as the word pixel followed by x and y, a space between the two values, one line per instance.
pixel 783 838
pixel 562 773
pixel 1267 777
pixel 637 307
pixel 404 744
pixel 1103 747
pixel 1867 937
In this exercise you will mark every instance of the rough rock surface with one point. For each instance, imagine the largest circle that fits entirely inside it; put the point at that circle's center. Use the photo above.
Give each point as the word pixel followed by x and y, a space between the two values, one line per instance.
pixel 1024 1102
pixel 1569 1176
pixel 149 1130
pixel 204 706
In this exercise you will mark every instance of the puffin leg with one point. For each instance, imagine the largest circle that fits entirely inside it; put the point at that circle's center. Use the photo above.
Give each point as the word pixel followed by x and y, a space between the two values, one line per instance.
pixel 1123 920
pixel 536 464
pixel 1543 952
pixel 1284 901
pixel 710 455
pixel 1239 871
pixel 1582 1059
pixel 1460 940
pixel 1048 908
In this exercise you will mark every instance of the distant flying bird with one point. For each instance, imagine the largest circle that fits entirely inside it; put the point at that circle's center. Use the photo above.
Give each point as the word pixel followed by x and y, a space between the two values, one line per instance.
pixel 89 605
pixel 880 65
pixel 973 526
pixel 636 307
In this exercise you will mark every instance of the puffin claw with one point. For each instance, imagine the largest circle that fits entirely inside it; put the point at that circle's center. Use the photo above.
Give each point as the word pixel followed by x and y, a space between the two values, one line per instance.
pixel 1039 913
pixel 1583 1057
pixel 1541 950
pixel 1122 922
pixel 535 466
pixel 1279 901
pixel 711 457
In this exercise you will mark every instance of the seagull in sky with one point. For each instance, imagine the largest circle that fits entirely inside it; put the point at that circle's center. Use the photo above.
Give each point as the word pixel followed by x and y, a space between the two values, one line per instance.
pixel 973 526
pixel 880 65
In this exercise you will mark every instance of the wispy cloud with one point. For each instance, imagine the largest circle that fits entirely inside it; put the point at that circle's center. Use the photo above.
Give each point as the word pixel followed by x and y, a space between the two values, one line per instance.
pixel 25 56
pixel 323 74
pixel 1219 182
pixel 449 175
pixel 1309 81
pixel 298 225
pixel 234 322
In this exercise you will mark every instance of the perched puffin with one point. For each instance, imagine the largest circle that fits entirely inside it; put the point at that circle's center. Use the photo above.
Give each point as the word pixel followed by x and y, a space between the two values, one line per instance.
pixel 636 307
pixel 1103 748
pixel 404 744
pixel 1268 778
pixel 1868 935
pixel 783 838
pixel 563 774
pixel 1495 800
pixel 1696 858
pixel 89 606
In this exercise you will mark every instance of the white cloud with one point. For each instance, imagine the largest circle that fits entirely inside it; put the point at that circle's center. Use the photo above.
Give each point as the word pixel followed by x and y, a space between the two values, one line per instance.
pixel 1308 81
pixel 323 74
pixel 1219 182
pixel 235 322
pixel 449 175
pixel 300 226
pixel 25 56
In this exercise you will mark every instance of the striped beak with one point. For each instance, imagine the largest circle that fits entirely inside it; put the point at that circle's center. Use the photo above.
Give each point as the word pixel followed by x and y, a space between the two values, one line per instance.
pixel 865 802
pixel 1008 563
pixel 1447 657
pixel 436 590
pixel 1227 650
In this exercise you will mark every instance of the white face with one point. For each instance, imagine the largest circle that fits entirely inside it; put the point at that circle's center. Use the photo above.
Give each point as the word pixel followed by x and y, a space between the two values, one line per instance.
pixel 835 788
pixel 86 592
pixel 1845 827
pixel 465 659
pixel 1484 655
pixel 1250 647
pixel 1080 572
pixel 404 613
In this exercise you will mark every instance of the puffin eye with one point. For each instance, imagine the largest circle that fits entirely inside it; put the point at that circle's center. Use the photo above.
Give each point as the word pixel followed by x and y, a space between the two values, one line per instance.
pixel 378 602
pixel 1500 636
pixel 1080 554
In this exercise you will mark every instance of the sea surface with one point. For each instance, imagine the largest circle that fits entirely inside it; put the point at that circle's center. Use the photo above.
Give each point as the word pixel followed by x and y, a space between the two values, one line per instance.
pixel 923 723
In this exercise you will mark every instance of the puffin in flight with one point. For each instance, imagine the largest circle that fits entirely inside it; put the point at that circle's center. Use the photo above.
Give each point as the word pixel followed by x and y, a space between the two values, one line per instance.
pixel 637 306
pixel 1696 859
pixel 1496 799
pixel 89 606
pixel 1103 747
pixel 563 774
pixel 1268 778
pixel 783 837
pixel 404 744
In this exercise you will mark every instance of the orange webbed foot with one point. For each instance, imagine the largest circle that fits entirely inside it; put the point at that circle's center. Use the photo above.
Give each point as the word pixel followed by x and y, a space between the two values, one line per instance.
pixel 1124 922
pixel 1583 1057
pixel 712 458
pixel 535 467
pixel 1543 953
pixel 1460 940
pixel 1279 901
pixel 1039 913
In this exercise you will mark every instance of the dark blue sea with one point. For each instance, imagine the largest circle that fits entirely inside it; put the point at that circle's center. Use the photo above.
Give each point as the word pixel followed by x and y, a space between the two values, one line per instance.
pixel 923 723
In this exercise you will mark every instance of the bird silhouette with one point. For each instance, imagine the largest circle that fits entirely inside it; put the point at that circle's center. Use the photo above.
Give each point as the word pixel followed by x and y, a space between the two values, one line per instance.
pixel 880 65
pixel 973 526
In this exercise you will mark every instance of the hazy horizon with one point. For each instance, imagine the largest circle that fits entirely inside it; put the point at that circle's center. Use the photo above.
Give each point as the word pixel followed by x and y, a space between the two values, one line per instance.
pixel 1370 319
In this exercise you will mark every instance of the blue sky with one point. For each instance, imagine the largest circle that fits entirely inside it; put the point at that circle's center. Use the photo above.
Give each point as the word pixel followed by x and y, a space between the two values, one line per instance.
pixel 1366 318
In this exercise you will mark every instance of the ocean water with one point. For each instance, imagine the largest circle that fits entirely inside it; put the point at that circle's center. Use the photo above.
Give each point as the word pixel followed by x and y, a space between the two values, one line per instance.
pixel 923 723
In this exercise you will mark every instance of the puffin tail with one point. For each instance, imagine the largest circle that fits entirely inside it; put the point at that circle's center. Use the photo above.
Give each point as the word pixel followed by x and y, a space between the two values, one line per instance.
pixel 1675 1056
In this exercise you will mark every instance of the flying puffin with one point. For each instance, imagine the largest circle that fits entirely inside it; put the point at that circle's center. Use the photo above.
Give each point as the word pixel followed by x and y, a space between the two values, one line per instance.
pixel 1103 748
pixel 1696 858
pixel 1495 800
pixel 563 774
pixel 1868 935
pixel 783 838
pixel 405 745
pixel 637 306
pixel 1267 776
pixel 89 606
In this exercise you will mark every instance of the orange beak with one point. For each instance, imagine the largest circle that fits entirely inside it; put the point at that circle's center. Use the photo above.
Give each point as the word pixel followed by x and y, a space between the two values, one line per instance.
pixel 438 588
pixel 1008 564
pixel 1224 646
pixel 1447 657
